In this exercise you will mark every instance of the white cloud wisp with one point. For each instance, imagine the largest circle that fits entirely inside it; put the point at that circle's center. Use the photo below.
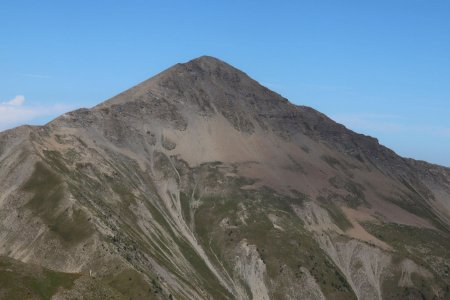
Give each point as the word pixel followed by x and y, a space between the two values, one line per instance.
pixel 16 101
pixel 15 112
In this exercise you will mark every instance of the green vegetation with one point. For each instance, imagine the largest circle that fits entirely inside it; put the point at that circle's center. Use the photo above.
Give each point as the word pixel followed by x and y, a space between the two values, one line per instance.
pixel 51 281
pixel 428 248
pixel 70 227
pixel 24 281
pixel 335 213
pixel 124 193
pixel 47 188
pixel 422 288
pixel 210 282
pixel 185 207
pixel 132 240
pixel 415 204
pixel 247 213
pixel 292 248
pixel 131 284
pixel 423 245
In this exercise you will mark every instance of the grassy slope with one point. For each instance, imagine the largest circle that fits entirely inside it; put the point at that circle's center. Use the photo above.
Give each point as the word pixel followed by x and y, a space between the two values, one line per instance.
pixel 48 192
pixel 292 248
pixel 24 281
pixel 428 248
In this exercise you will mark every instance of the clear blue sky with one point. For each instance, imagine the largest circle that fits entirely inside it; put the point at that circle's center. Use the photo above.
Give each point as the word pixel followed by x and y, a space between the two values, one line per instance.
pixel 379 67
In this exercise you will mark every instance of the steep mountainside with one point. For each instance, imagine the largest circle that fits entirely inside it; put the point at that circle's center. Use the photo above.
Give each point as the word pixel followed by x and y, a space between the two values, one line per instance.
pixel 200 183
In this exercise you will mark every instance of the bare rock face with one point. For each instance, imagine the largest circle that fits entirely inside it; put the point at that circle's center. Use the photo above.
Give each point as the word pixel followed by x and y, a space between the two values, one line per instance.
pixel 200 183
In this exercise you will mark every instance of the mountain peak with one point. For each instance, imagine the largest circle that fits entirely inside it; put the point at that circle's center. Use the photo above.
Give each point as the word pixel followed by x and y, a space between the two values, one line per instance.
pixel 210 66
pixel 210 63
pixel 205 73
pixel 208 60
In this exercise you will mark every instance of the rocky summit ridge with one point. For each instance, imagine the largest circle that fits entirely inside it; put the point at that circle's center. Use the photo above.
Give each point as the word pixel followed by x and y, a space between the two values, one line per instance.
pixel 200 183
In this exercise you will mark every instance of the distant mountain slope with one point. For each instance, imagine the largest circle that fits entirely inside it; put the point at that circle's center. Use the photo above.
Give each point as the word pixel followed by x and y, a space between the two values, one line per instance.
pixel 200 183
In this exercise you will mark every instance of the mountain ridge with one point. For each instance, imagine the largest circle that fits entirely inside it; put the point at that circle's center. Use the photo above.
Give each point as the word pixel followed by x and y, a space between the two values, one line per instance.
pixel 199 183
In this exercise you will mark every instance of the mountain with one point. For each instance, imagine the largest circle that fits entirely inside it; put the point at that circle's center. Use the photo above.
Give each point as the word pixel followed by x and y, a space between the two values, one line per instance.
pixel 200 183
